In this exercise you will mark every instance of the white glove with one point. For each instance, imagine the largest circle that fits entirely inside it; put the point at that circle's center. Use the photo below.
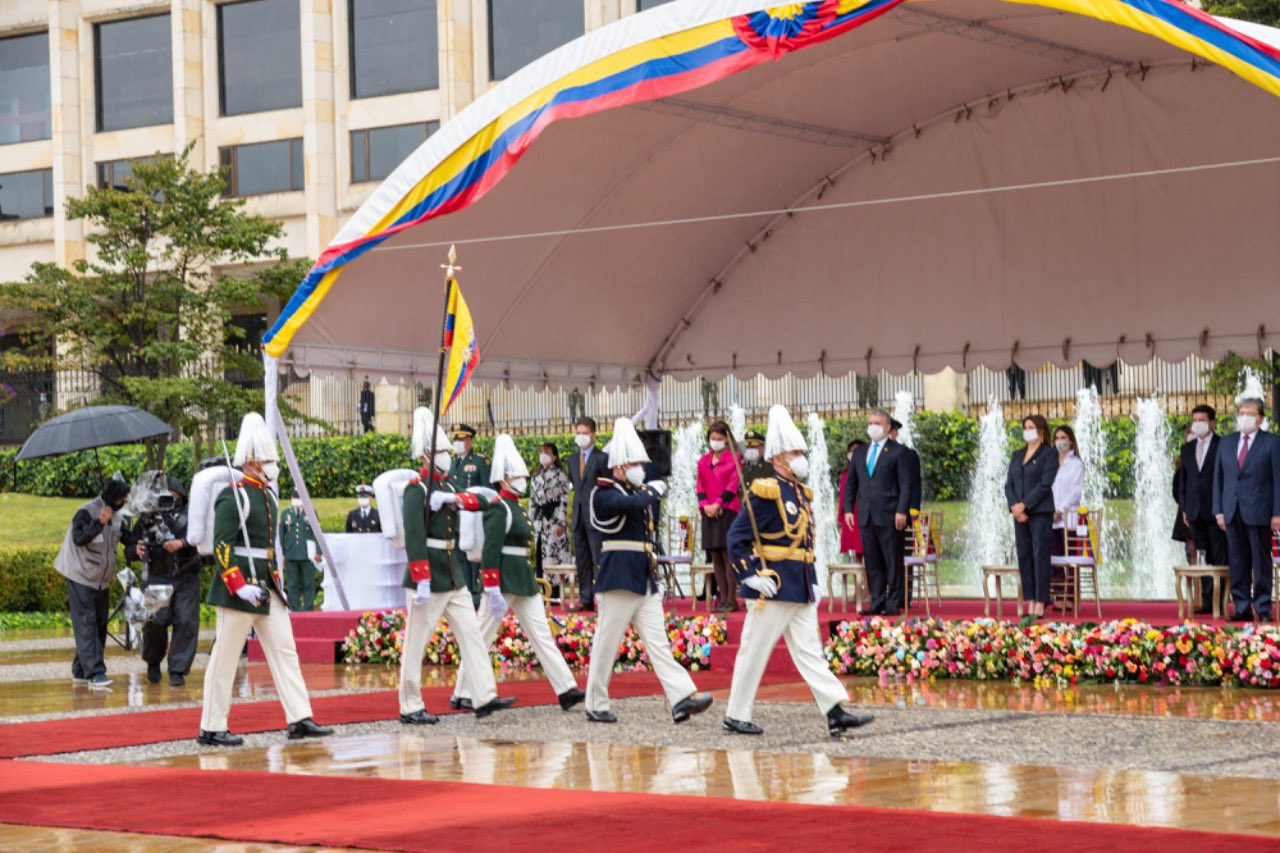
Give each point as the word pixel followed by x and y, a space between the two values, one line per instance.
pixel 817 593
pixel 135 595
pixel 422 593
pixel 497 604
pixel 251 593
pixel 658 486
pixel 763 585
pixel 441 499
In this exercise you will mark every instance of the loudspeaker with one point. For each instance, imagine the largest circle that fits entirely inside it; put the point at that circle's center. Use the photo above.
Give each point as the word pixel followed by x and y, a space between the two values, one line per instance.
pixel 657 443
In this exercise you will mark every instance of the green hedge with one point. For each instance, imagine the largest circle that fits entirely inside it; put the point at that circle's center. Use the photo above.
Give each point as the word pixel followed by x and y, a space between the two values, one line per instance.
pixel 28 581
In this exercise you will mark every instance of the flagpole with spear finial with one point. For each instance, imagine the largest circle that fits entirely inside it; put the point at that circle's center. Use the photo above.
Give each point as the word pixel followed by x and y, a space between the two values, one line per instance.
pixel 449 284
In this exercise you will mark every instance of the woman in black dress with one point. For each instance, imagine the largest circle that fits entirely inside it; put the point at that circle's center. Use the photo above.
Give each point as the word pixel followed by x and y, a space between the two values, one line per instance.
pixel 1029 491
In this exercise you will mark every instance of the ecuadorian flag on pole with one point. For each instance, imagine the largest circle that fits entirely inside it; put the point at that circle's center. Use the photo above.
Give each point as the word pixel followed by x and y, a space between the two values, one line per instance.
pixel 460 343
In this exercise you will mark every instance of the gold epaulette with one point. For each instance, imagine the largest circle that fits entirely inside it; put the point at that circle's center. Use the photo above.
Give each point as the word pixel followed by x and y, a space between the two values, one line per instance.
pixel 767 488
pixel 808 492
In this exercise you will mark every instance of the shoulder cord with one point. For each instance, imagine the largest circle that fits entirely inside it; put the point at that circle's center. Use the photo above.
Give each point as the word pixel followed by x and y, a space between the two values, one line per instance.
pixel 613 525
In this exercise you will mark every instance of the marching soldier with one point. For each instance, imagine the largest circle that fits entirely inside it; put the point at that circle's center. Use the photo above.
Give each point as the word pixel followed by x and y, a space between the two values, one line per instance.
pixel 247 593
pixel 435 580
pixel 470 468
pixel 509 579
pixel 624 509
pixel 753 464
pixel 364 518
pixel 299 546
pixel 771 549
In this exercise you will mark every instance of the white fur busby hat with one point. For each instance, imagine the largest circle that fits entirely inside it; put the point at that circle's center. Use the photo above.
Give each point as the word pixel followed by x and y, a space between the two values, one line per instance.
pixel 423 421
pixel 255 441
pixel 783 436
pixel 506 463
pixel 626 446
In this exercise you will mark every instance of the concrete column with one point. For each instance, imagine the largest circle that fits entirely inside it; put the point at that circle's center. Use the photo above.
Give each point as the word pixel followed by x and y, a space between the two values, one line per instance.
pixel 600 12
pixel 69 128
pixel 946 391
pixel 319 141
pixel 459 84
pixel 393 407
pixel 188 78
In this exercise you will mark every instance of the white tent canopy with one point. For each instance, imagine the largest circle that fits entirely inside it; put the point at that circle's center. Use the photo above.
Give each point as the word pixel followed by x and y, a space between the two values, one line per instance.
pixel 957 183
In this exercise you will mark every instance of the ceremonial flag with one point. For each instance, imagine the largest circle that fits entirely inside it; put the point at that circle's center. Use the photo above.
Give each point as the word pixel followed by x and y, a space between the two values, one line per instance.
pixel 460 344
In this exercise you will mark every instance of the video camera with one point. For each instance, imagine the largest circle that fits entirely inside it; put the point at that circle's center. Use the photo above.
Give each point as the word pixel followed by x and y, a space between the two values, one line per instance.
pixel 148 501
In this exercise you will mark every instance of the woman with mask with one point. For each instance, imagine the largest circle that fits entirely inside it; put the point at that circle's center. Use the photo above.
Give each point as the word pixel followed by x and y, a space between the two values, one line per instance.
pixel 1068 492
pixel 717 490
pixel 850 536
pixel 549 508
pixel 1028 487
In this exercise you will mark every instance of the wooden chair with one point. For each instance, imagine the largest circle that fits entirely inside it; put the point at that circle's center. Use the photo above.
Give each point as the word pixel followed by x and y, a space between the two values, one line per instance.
pixel 1080 562
pixel 844 571
pixel 567 576
pixel 705 572
pixel 999 573
pixel 1186 580
pixel 921 561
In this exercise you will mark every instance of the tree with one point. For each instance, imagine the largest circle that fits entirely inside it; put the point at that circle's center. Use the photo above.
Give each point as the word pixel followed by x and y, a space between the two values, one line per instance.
pixel 1259 11
pixel 1227 376
pixel 149 313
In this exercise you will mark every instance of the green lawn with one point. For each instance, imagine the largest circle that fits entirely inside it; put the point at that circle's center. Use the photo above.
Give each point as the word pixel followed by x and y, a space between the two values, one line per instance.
pixel 27 520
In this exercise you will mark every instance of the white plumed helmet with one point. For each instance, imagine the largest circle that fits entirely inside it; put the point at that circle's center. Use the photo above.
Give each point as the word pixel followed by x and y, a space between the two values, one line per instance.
pixel 423 421
pixel 506 463
pixel 255 441
pixel 783 436
pixel 626 446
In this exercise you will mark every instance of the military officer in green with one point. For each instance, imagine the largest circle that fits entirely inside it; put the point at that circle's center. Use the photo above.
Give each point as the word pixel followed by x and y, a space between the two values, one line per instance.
pixel 299 546
pixel 435 579
pixel 508 578
pixel 248 594
pixel 753 464
pixel 470 468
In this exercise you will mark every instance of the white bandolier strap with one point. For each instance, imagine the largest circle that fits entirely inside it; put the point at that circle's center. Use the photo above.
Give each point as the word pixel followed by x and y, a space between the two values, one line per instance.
pixel 250 553
pixel 515 551
pixel 441 544
pixel 636 547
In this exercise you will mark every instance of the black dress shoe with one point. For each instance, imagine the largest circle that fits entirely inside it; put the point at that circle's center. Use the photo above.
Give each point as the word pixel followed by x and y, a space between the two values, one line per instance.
pixel 890 611
pixel 687 707
pixel 307 727
pixel 571 697
pixel 1241 616
pixel 218 739
pixel 601 717
pixel 1206 610
pixel 153 673
pixel 1264 617
pixel 177 679
pixel 496 704
pixel 460 704
pixel 419 718
pixel 741 727
pixel 838 720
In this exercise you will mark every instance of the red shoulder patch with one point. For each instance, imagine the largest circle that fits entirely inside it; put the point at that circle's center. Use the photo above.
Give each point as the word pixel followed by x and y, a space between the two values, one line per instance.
pixel 604 481
pixel 415 481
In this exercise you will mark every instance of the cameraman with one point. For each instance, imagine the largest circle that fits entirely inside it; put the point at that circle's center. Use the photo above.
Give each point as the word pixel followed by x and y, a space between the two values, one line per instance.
pixel 158 539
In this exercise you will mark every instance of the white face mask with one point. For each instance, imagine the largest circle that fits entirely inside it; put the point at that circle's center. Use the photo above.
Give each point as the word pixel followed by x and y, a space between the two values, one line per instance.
pixel 635 476
pixel 363 502
pixel 799 467
pixel 518 485
pixel 1030 435
pixel 545 459
pixel 271 470
pixel 875 432
pixel 752 454
pixel 444 462
pixel 1199 428
pixel 583 440
pixel 1247 423
pixel 1063 445
pixel 848 457
pixel 296 503
pixel 716 444
pixel 459 448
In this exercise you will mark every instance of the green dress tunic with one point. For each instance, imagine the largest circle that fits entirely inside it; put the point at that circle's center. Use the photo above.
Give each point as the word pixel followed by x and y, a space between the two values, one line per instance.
pixel 295 533
pixel 446 566
pixel 468 471
pixel 234 570
pixel 514 574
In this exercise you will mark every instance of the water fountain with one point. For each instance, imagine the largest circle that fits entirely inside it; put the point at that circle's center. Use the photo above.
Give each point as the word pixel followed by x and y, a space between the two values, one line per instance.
pixel 1253 390
pixel 1092 440
pixel 688 446
pixel 826 535
pixel 903 407
pixel 988 533
pixel 738 423
pixel 1154 552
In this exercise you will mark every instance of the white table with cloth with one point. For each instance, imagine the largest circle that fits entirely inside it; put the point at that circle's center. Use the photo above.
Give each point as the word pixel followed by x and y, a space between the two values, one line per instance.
pixel 371 568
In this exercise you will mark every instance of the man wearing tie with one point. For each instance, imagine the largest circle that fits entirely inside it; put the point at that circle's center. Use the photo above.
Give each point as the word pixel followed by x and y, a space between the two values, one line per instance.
pixel 1195 496
pixel 586 466
pixel 364 518
pixel 880 485
pixel 1246 502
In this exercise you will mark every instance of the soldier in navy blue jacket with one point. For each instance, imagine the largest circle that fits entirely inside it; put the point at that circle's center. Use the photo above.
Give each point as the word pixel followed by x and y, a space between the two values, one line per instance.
pixel 771 550
pixel 624 510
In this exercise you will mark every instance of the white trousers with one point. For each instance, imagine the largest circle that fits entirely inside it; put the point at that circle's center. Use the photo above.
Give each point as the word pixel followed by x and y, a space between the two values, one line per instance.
pixel 420 621
pixel 618 609
pixel 275 632
pixel 533 619
pixel 798 623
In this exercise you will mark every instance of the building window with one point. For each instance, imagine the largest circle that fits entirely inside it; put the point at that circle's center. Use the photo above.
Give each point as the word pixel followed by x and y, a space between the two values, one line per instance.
pixel 26 112
pixel 267 167
pixel 394 46
pixel 133 72
pixel 115 174
pixel 376 152
pixel 26 195
pixel 259 56
pixel 520 31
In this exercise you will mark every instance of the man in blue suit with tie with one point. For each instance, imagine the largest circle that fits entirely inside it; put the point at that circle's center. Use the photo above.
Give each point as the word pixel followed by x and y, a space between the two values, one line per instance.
pixel 879 485
pixel 1246 502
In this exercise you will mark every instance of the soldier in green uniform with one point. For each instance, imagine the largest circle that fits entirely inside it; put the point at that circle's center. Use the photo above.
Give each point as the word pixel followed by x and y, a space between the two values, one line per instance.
pixel 753 464
pixel 508 578
pixel 470 468
pixel 435 579
pixel 299 546
pixel 248 594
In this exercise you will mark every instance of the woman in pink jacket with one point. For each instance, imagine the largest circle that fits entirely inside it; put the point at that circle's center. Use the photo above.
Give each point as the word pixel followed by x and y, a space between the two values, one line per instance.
pixel 717 489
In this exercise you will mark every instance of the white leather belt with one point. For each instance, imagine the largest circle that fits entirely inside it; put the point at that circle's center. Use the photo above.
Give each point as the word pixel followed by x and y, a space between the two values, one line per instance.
pixel 250 553
pixel 515 551
pixel 441 544
pixel 636 547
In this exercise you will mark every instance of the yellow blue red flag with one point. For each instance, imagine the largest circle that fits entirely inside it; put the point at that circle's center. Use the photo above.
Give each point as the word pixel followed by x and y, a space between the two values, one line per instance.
pixel 460 343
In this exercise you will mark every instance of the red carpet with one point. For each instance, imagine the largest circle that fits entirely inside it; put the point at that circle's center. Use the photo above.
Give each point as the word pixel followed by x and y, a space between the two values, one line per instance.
pixel 49 737
pixel 438 816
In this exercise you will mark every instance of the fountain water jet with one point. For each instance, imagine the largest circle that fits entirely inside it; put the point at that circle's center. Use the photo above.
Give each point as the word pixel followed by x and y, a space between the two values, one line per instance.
pixel 688 445
pixel 826 536
pixel 988 533
pixel 1154 552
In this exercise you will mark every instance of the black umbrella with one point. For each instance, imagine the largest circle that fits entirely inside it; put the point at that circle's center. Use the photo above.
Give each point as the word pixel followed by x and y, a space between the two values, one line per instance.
pixel 92 427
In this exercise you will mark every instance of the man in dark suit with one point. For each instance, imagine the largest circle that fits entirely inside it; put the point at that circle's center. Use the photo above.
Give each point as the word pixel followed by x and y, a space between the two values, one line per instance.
pixel 1195 495
pixel 586 465
pixel 364 518
pixel 879 484
pixel 1246 501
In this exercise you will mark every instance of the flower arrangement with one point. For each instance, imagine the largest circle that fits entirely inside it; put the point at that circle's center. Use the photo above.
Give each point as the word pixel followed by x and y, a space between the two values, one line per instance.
pixel 1058 654
pixel 379 637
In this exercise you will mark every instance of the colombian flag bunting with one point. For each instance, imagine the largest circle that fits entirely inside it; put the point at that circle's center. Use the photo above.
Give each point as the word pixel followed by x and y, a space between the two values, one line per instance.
pixel 460 343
